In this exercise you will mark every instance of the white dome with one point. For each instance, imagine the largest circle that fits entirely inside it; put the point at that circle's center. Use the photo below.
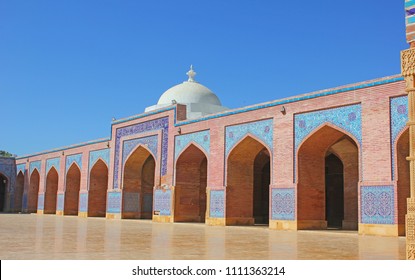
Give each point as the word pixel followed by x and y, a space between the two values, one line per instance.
pixel 189 92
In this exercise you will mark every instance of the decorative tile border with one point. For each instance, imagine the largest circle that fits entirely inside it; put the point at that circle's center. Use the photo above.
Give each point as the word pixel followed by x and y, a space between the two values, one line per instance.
pixel 71 159
pixel 55 162
pixel 162 202
pixel 217 204
pixel 261 129
pixel 21 167
pixel 202 138
pixel 398 120
pixel 150 142
pixel 40 201
pixel 35 165
pixel 158 124
pixel 83 202
pixel 283 204
pixel 61 201
pixel 114 202
pixel 94 156
pixel 377 204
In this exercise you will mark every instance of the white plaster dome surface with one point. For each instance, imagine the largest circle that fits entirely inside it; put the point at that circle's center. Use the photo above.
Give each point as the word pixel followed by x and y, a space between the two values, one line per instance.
pixel 199 100
pixel 189 92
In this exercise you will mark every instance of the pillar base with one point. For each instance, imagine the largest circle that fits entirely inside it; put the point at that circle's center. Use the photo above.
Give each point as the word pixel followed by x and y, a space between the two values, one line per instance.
pixel 59 213
pixel 410 233
pixel 380 230
pixel 215 221
pixel 312 224
pixel 40 212
pixel 282 225
pixel 163 219
pixel 83 214
pixel 114 216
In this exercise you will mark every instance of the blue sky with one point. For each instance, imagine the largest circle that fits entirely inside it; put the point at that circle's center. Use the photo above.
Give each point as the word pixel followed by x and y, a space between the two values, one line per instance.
pixel 67 67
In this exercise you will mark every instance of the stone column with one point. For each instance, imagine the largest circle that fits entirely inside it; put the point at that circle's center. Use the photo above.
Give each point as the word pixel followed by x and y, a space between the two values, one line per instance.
pixel 408 72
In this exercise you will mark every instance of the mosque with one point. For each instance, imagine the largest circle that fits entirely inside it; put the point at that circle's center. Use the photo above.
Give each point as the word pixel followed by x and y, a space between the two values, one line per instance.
pixel 334 158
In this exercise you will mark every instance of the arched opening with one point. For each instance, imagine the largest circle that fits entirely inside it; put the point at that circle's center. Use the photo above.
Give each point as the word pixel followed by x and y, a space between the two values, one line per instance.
pixel 190 189
pixel 18 192
pixel 3 188
pixel 403 184
pixel 73 185
pixel 328 175
pixel 248 179
pixel 51 191
pixel 97 193
pixel 33 192
pixel 138 183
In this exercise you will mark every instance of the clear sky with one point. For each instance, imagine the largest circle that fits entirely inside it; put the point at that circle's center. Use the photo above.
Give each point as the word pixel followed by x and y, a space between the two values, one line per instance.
pixel 67 67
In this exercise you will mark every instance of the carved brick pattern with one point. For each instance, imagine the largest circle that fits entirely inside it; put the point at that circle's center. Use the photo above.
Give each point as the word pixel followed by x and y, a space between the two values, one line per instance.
pixel 411 206
pixel 408 62
pixel 410 251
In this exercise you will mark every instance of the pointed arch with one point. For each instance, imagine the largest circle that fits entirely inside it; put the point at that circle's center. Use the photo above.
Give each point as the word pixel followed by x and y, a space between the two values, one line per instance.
pixel 320 184
pixel 33 191
pixel 190 188
pixel 402 177
pixel 138 183
pixel 97 190
pixel 4 184
pixel 18 191
pixel 51 191
pixel 247 182
pixel 72 188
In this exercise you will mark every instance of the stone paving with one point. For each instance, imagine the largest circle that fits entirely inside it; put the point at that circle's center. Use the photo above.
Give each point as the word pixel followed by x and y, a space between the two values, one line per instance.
pixel 24 236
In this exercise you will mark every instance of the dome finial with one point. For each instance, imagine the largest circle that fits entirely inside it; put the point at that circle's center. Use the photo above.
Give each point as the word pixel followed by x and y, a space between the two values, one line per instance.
pixel 191 74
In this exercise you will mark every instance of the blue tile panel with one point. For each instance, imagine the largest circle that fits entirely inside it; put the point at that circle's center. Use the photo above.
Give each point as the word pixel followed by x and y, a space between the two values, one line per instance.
pixel 377 204
pixel 21 167
pixel 94 156
pixel 283 204
pixel 60 203
pixel 114 202
pixel 55 162
pixel 83 202
pixel 150 142
pixel 73 158
pixel 136 129
pixel 40 201
pixel 399 118
pixel 35 165
pixel 162 202
pixel 217 204
pixel 263 130
pixel 202 138
pixel 131 202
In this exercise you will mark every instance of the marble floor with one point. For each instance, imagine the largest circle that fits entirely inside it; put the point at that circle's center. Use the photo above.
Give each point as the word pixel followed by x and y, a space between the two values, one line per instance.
pixel 31 236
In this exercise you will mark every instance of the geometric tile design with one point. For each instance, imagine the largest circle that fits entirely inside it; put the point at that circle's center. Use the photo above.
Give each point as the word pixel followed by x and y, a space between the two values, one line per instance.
pixel 377 204
pixel 261 129
pixel 131 202
pixel 60 202
pixel 217 204
pixel 103 154
pixel 73 158
pixel 399 118
pixel 349 118
pixel 162 202
pixel 202 138
pixel 55 162
pixel 8 168
pixel 150 142
pixel 21 167
pixel 83 202
pixel 114 202
pixel 283 204
pixel 33 165
pixel 40 201
pixel 158 124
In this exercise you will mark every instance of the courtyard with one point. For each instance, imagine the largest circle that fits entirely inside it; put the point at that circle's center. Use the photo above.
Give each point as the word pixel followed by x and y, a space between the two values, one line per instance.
pixel 31 236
